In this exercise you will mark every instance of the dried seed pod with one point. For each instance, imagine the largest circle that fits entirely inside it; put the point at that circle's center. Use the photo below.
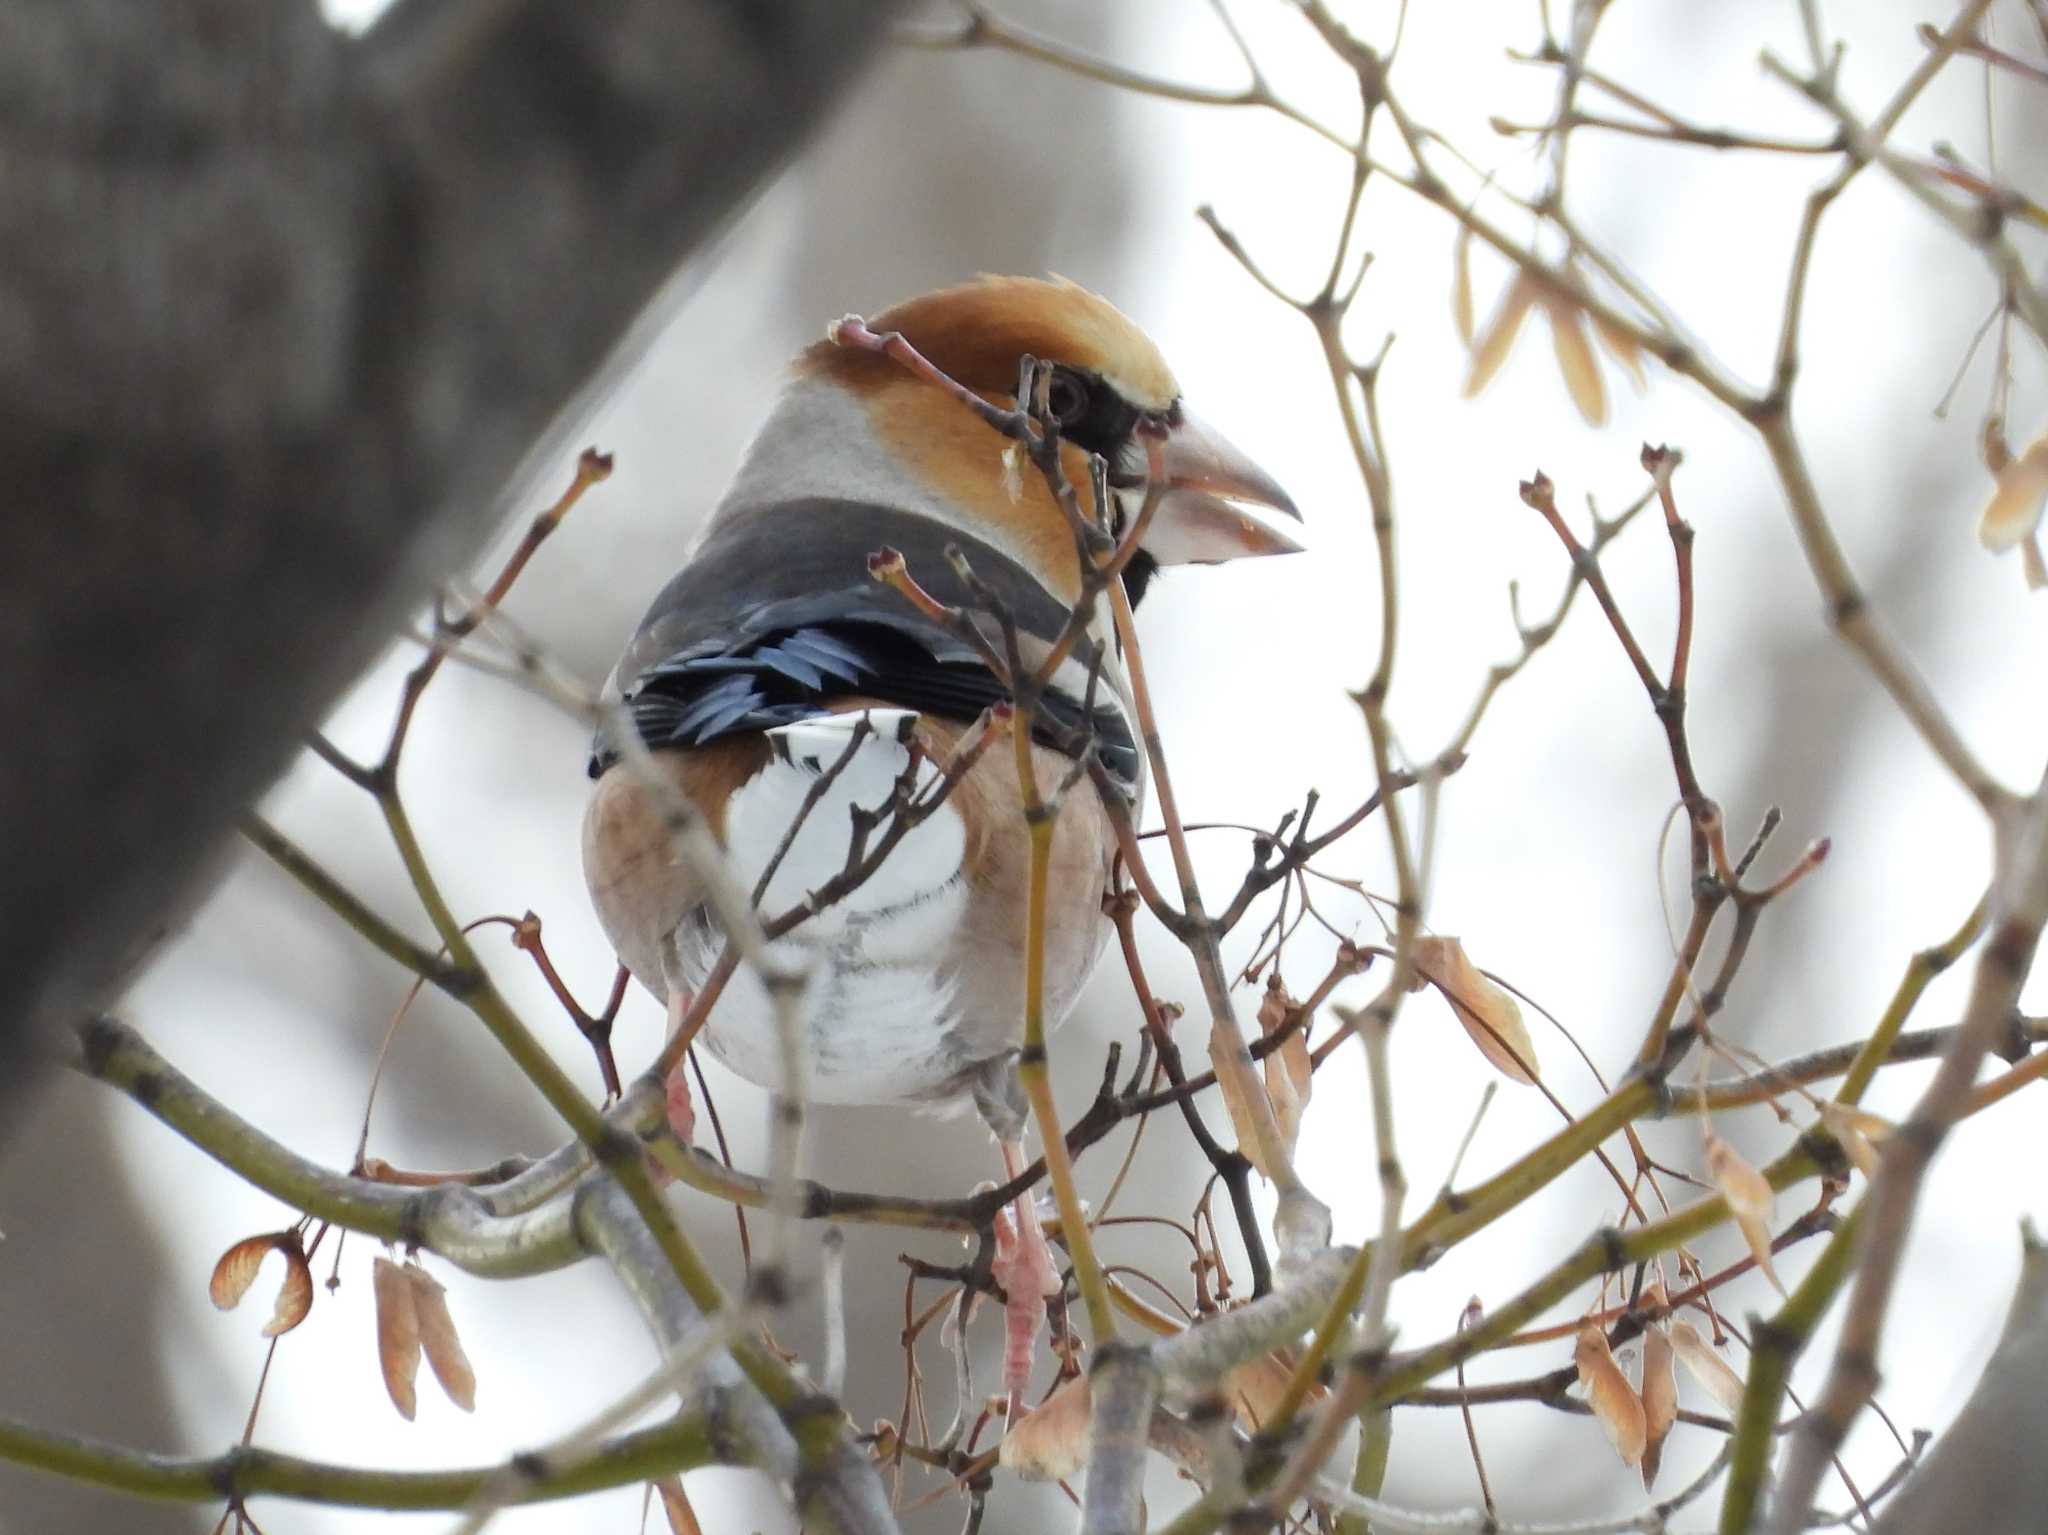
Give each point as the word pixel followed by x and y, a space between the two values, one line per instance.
pixel 1256 1386
pixel 1461 285
pixel 1489 1014
pixel 1992 447
pixel 1660 1387
pixel 1622 347
pixel 1575 359
pixel 1706 1367
pixel 1749 1198
pixel 439 1341
pixel 1289 1073
pixel 398 1334
pixel 1747 1191
pixel 2014 510
pixel 1613 1399
pixel 1491 347
pixel 1050 1442
pixel 1858 1132
pixel 236 1271
pixel 1237 1090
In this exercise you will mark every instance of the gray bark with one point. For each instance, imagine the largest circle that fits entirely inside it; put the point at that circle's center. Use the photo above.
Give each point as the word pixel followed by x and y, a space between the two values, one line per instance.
pixel 280 310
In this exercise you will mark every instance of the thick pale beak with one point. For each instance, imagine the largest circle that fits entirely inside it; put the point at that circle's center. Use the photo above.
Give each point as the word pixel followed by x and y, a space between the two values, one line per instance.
pixel 1205 516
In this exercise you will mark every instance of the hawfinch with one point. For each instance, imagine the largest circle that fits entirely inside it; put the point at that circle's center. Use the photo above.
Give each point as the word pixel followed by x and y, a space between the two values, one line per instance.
pixel 746 673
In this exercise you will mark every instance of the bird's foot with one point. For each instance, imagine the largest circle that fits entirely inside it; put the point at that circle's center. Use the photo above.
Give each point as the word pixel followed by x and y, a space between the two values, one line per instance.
pixel 682 1113
pixel 1023 1266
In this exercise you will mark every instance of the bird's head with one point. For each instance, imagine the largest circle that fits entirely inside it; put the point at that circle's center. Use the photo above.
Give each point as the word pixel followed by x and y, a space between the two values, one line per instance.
pixel 1110 390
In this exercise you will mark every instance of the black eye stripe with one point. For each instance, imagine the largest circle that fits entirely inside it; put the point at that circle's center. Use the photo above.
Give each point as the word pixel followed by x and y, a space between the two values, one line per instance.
pixel 1105 420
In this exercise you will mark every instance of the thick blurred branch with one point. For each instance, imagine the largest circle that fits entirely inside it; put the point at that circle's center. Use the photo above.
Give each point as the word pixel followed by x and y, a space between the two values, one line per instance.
pixel 285 310
pixel 2018 912
pixel 488 1231
pixel 1958 1487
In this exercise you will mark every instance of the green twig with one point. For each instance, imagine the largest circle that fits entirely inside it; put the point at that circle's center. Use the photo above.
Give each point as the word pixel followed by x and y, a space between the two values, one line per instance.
pixel 1775 1344
pixel 245 1472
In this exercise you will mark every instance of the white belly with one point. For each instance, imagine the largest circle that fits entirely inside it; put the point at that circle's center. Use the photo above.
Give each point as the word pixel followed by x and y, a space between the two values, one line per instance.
pixel 879 1019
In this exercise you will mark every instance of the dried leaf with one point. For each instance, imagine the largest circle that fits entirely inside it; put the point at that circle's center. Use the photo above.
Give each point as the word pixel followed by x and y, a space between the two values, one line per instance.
pixel 1050 1442
pixel 1858 1132
pixel 1461 285
pixel 1660 1388
pixel 1575 359
pixel 1613 1399
pixel 1491 347
pixel 236 1271
pixel 1289 1072
pixel 1749 1198
pixel 438 1339
pixel 1622 347
pixel 682 1519
pixel 1705 1366
pixel 1489 1014
pixel 398 1334
pixel 2014 511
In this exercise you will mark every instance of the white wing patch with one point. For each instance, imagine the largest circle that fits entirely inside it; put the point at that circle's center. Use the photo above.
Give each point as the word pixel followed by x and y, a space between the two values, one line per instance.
pixel 877 1013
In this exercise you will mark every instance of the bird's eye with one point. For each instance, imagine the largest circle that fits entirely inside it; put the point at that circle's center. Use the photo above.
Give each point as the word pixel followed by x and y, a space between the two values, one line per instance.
pixel 1066 396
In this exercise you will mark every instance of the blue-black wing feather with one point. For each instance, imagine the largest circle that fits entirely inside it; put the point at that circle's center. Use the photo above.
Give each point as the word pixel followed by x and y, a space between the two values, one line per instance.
pixel 812 629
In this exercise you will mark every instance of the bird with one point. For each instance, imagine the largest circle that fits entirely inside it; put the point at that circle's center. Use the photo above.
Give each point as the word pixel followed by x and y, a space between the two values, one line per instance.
pixel 772 678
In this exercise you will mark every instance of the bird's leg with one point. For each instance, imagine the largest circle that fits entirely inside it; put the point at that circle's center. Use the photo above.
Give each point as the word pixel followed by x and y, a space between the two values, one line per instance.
pixel 1027 1275
pixel 682 1114
pixel 1023 1263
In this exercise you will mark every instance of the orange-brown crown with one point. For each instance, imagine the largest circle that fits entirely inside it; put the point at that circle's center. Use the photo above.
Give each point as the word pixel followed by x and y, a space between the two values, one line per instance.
pixel 977 333
pixel 979 330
